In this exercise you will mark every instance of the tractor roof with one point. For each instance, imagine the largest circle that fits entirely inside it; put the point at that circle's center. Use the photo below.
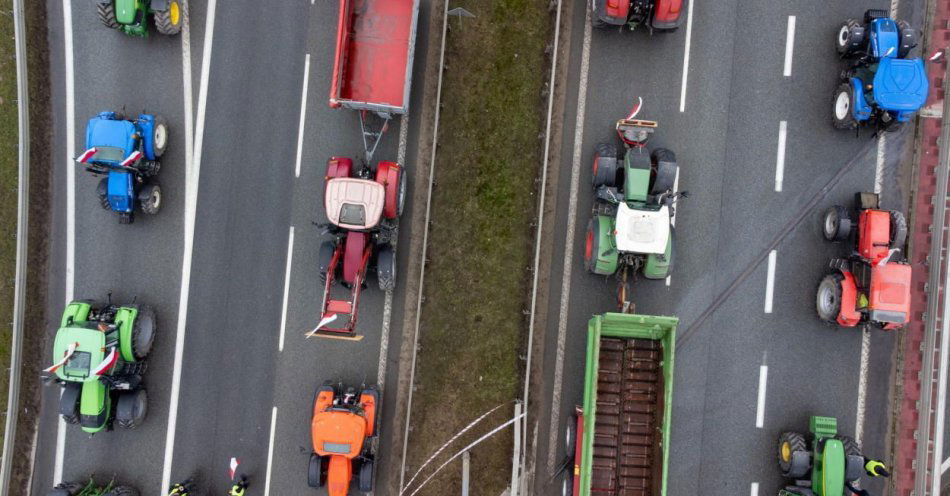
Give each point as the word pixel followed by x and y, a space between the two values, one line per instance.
pixel 900 84
pixel 889 299
pixel 642 231
pixel 354 203
pixel 109 132
pixel 338 432
pixel 89 353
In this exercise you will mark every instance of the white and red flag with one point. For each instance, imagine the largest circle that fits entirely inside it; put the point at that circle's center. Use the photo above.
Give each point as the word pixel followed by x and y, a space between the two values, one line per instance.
pixel 70 350
pixel 107 363
pixel 86 155
pixel 234 465
pixel 131 159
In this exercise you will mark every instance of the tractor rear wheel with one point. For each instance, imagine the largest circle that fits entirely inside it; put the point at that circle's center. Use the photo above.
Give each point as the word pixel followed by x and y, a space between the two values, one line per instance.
pixel 850 38
pixel 567 487
pixel 843 116
pixel 854 460
pixel 366 476
pixel 132 408
pixel 664 177
pixel 316 471
pixel 103 192
pixel 150 199
pixel 898 230
pixel 386 268
pixel 604 168
pixel 159 136
pixel 401 200
pixel 828 301
pixel 324 257
pixel 143 332
pixel 791 444
pixel 106 11
pixel 168 21
pixel 122 491
pixel 836 224
pixel 69 402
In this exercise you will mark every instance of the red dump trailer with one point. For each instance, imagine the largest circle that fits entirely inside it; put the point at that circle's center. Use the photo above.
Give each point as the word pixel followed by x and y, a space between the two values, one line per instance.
pixel 372 68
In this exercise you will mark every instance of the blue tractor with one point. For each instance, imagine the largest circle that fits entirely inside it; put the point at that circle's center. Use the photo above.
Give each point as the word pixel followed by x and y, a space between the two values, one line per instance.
pixel 882 84
pixel 127 152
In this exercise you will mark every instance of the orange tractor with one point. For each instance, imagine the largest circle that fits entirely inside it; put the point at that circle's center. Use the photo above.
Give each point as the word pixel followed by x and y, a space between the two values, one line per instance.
pixel 342 422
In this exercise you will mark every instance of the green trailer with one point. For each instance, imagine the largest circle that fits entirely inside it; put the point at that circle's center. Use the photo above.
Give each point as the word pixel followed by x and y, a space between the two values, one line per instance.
pixel 622 431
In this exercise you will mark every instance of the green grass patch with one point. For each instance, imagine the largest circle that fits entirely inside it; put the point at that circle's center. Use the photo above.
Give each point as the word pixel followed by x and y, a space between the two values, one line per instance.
pixel 481 236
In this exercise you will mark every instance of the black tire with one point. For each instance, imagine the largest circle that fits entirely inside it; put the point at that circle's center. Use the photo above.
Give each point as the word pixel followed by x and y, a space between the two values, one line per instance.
pixel 898 230
pixel 143 332
pixel 596 22
pixel 150 199
pixel 828 298
pixel 324 257
pixel 315 473
pixel 567 487
pixel 570 437
pixel 908 39
pixel 790 443
pixel 366 476
pixel 102 191
pixel 850 39
pixel 66 489
pixel 168 21
pixel 69 402
pixel 593 239
pixel 799 491
pixel 106 11
pixel 871 14
pixel 843 107
pixel 851 447
pixel 123 491
pixel 401 201
pixel 159 136
pixel 604 166
pixel 131 409
pixel 836 224
pixel 664 177
pixel 386 268
pixel 148 168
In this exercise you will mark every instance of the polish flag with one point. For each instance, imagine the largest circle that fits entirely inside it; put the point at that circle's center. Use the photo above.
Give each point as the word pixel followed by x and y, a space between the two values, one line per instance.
pixel 234 465
pixel 106 364
pixel 131 159
pixel 326 320
pixel 636 108
pixel 70 350
pixel 86 155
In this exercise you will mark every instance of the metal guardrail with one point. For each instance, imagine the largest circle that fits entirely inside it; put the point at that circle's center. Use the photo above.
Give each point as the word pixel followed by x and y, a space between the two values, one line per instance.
pixel 23 195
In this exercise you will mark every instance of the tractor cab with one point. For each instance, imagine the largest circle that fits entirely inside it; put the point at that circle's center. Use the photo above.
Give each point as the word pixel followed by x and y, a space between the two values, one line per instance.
pixel 342 420
pixel 354 204
pixel 109 142
pixel 900 85
pixel 642 231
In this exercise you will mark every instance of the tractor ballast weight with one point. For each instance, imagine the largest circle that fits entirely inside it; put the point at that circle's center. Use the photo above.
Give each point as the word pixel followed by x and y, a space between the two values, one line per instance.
pixel 99 359
pixel 342 424
pixel 127 152
pixel 821 465
pixel 655 15
pixel 881 83
pixel 131 16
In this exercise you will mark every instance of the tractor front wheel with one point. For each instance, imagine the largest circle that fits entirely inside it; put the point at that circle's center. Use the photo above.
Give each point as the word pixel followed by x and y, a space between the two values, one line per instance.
pixel 143 332
pixel 836 224
pixel 69 402
pixel 793 456
pixel 366 476
pixel 898 230
pixel 850 38
pixel 604 168
pixel 316 471
pixel 122 491
pixel 168 20
pixel 844 107
pixel 386 268
pixel 103 192
pixel 854 460
pixel 828 301
pixel 132 408
pixel 150 199
pixel 106 11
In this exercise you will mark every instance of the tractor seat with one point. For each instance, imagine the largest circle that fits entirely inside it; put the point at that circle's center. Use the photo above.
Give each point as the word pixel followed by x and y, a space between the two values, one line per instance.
pixel 900 84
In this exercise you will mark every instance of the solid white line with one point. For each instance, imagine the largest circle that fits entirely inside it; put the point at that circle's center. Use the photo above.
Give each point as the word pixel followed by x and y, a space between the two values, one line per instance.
pixel 283 311
pixel 270 451
pixel 568 261
pixel 879 166
pixel 780 157
pixel 944 466
pixel 676 188
pixel 770 282
pixel 689 37
pixel 789 45
pixel 191 201
pixel 760 408
pixel 862 385
pixel 69 284
pixel 303 113
pixel 755 489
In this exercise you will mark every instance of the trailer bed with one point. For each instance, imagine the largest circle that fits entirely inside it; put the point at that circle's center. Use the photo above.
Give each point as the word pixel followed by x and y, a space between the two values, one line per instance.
pixel 372 67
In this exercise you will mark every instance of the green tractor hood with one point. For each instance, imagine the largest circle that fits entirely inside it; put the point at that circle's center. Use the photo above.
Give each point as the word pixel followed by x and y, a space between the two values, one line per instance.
pixel 127 10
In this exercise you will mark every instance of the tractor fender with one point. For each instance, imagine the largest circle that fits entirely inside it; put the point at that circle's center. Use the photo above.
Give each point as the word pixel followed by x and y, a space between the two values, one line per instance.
pixel 125 321
pixel 77 311
pixel 388 174
pixel 94 406
pixel 657 267
pixel 369 400
pixel 854 467
pixel 339 167
pixel 145 125
pixel 668 14
pixel 861 110
pixel 70 398
pixel 158 5
pixel 615 16
pixel 606 258
pixel 849 315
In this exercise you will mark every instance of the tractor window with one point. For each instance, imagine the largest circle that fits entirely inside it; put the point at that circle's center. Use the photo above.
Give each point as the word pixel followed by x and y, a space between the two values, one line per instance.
pixel 888 27
pixel 108 154
pixel 352 214
pixel 338 448
pixel 78 365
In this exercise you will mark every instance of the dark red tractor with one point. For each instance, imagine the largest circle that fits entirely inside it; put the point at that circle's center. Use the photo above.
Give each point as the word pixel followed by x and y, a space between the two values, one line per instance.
pixel 363 208
pixel 871 285
pixel 655 15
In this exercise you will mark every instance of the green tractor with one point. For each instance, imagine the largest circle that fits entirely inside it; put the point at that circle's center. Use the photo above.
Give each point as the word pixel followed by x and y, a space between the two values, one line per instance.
pixel 632 225
pixel 824 467
pixel 91 488
pixel 131 16
pixel 99 359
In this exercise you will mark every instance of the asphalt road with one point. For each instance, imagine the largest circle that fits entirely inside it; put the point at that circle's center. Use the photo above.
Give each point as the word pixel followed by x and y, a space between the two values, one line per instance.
pixel 234 380
pixel 726 141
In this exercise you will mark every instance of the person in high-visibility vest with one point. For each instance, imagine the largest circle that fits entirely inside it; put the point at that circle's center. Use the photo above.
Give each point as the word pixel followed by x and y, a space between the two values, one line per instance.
pixel 875 468
pixel 238 488
pixel 182 489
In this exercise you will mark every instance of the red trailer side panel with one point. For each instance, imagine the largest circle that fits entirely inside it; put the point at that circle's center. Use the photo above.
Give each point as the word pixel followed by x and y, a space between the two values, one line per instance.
pixel 373 51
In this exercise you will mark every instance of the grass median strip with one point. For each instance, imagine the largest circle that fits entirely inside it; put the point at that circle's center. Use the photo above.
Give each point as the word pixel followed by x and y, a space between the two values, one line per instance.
pixel 480 240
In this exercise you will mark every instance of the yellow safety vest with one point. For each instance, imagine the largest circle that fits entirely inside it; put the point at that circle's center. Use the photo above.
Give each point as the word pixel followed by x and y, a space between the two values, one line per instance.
pixel 872 467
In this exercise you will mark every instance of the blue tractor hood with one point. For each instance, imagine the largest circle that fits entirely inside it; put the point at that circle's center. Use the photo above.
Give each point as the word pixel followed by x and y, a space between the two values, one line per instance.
pixel 900 85
pixel 109 132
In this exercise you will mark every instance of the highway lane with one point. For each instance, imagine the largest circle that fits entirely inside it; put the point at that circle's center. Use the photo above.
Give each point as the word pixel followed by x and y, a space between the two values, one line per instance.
pixel 727 142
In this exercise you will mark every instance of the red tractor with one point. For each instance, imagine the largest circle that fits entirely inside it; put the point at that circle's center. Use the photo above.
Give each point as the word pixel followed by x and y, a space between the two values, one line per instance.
pixel 363 208
pixel 872 285
pixel 656 15
pixel 343 422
